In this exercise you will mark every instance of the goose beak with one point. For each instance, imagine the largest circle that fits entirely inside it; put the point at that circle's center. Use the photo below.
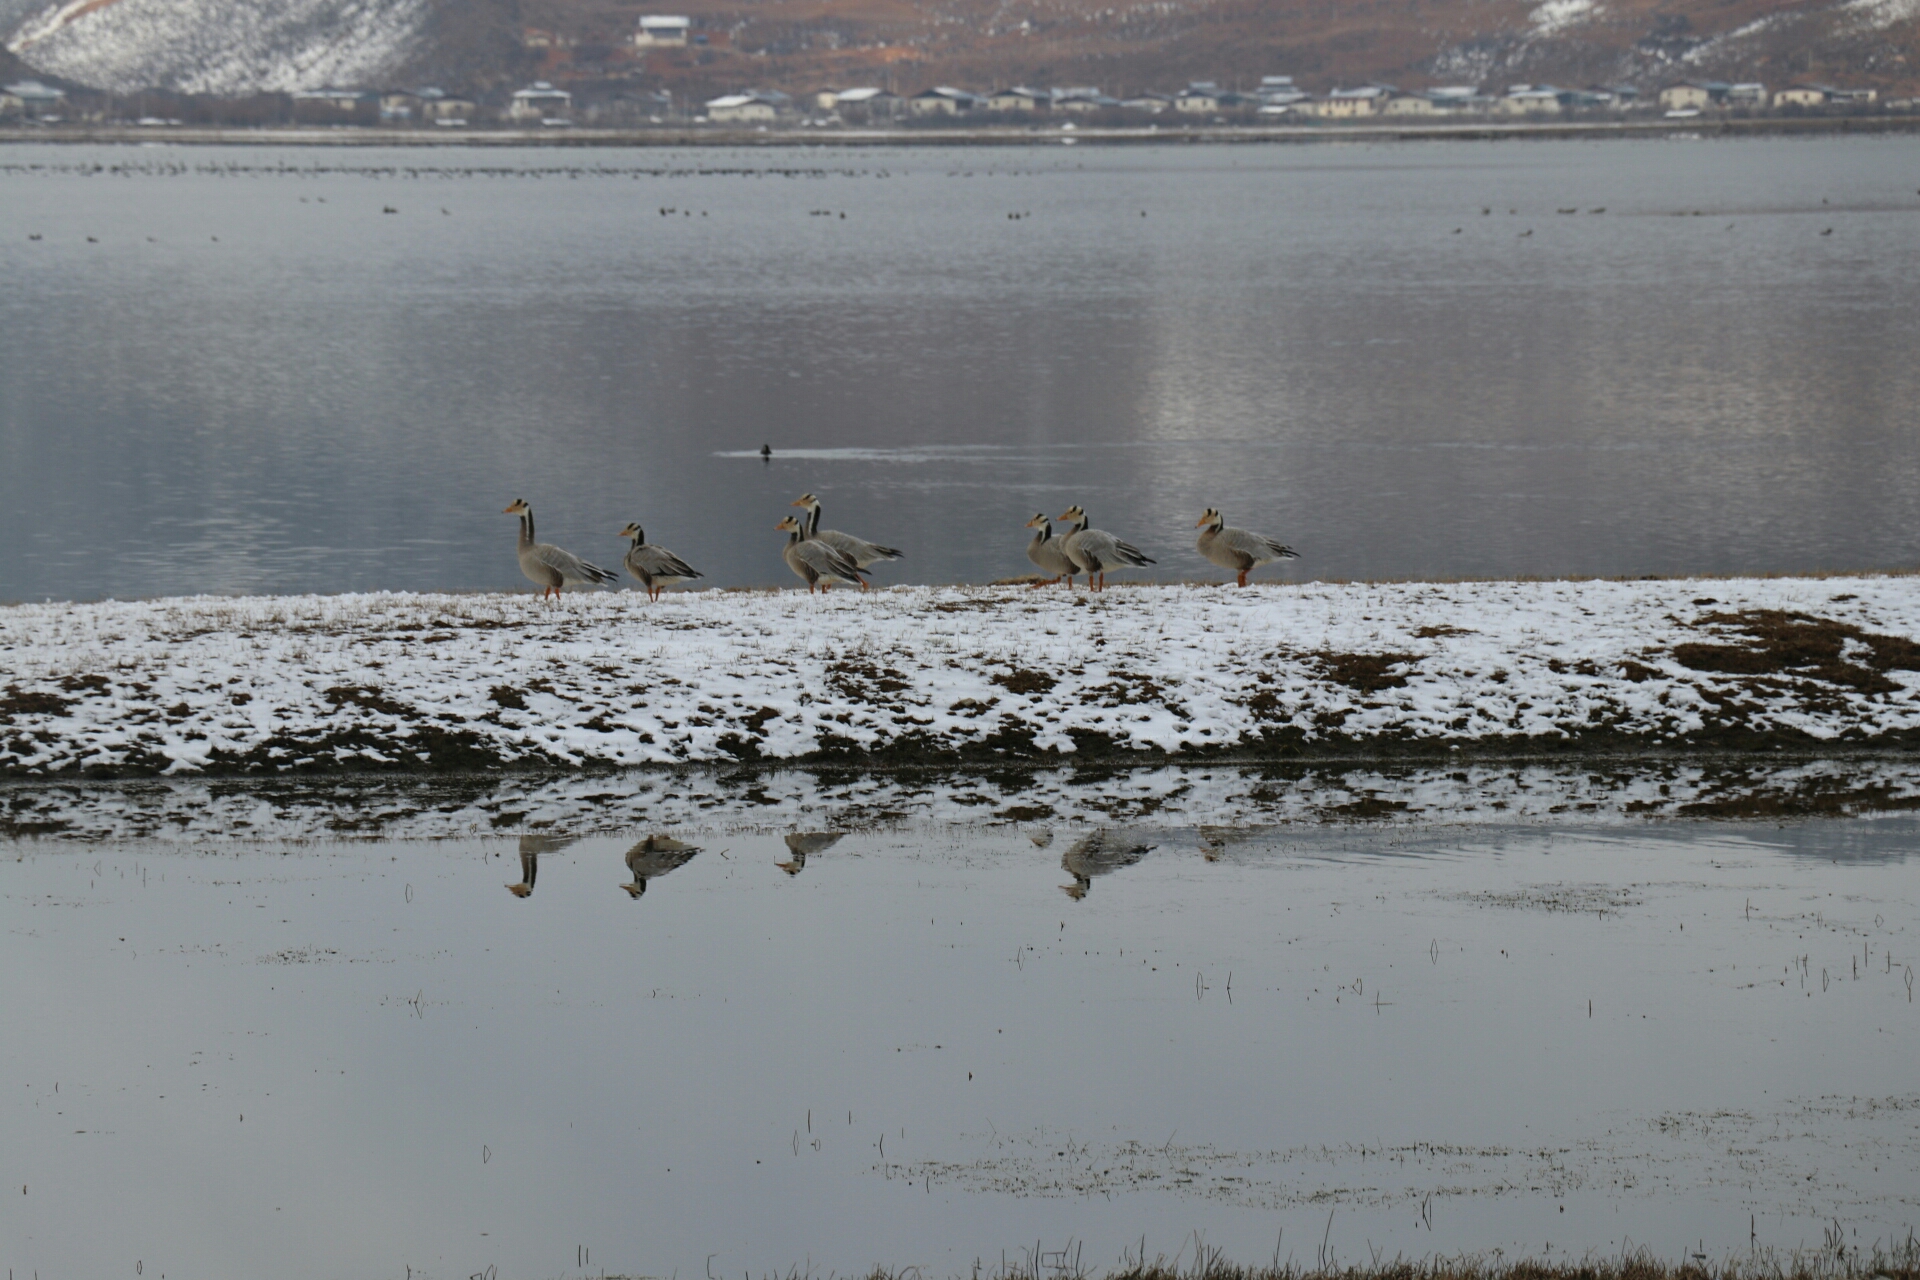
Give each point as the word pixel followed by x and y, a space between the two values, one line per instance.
pixel 1202 522
pixel 798 502
pixel 506 511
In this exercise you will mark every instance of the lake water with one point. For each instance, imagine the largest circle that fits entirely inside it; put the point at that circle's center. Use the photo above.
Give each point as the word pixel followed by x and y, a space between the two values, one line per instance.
pixel 279 369
pixel 783 1048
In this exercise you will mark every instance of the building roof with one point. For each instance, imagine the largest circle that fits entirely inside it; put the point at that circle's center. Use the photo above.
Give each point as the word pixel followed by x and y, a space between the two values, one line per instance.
pixel 726 100
pixel 541 91
pixel 34 91
pixel 865 94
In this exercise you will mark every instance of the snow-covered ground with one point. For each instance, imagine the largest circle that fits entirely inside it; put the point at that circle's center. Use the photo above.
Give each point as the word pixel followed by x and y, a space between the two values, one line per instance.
pixel 986 675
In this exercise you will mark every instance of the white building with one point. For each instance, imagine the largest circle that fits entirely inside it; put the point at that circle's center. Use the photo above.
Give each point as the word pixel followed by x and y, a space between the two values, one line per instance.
pixel 1348 104
pixel 941 101
pixel 742 108
pixel 542 102
pixel 1530 100
pixel 663 30
pixel 32 99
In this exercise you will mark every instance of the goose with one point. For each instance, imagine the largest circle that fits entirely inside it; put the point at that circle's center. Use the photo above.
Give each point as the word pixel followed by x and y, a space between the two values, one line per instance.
pixel 1098 853
pixel 801 843
pixel 1237 549
pixel 655 856
pixel 548 565
pixel 1096 550
pixel 815 560
pixel 858 550
pixel 655 567
pixel 1046 551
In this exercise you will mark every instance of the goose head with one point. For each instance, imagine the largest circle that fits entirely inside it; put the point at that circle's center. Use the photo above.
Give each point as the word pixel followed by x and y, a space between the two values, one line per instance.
pixel 1211 519
pixel 518 507
pixel 1075 515
pixel 806 500
pixel 1040 521
pixel 788 524
pixel 634 532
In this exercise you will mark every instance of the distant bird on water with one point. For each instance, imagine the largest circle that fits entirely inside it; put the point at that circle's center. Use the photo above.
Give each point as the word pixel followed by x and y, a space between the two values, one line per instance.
pixel 766 453
pixel 547 564
pixel 1237 549
pixel 655 567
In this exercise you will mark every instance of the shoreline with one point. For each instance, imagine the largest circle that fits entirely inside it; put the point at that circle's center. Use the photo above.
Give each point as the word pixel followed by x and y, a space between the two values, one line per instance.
pixel 985 677
pixel 1002 136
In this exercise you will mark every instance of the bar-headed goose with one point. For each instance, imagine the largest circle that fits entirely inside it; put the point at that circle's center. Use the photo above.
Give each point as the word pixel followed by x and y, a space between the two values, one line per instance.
pixel 655 856
pixel 656 567
pixel 1096 551
pixel 1046 551
pixel 1238 549
pixel 858 550
pixel 547 564
pixel 815 560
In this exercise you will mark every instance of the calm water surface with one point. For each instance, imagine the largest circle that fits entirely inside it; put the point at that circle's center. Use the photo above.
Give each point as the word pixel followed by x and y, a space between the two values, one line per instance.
pixel 793 1049
pixel 276 369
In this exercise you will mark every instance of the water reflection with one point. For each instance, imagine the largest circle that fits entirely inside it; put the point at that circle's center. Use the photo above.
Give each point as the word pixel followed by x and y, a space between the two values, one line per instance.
pixel 655 856
pixel 801 843
pixel 1099 853
pixel 531 847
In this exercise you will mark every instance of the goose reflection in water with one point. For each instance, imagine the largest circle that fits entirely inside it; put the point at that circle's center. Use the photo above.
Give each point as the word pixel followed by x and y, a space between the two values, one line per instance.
pixel 655 856
pixel 1100 852
pixel 802 843
pixel 531 847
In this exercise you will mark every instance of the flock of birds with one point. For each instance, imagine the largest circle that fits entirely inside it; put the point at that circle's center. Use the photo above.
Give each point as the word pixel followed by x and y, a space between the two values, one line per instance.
pixel 821 557
pixel 1098 853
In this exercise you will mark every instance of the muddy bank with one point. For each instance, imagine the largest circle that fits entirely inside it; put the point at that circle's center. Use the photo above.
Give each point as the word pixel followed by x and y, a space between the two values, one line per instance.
pixel 769 798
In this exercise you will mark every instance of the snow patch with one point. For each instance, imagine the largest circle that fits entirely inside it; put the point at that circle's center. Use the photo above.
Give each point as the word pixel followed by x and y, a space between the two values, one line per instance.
pixel 1875 15
pixel 1556 16
pixel 220 46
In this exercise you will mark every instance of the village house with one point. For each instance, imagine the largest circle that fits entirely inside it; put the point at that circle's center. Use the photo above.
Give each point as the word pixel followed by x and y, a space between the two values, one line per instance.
pixel 662 31
pixel 1348 104
pixel 1202 97
pixel 1018 98
pixel 1692 95
pixel 1530 100
pixel 33 100
pixel 941 101
pixel 1278 92
pixel 540 102
pixel 1151 102
pixel 1752 94
pixel 1801 95
pixel 443 108
pixel 1410 104
pixel 743 108
pixel 398 106
pixel 1082 101
pixel 866 104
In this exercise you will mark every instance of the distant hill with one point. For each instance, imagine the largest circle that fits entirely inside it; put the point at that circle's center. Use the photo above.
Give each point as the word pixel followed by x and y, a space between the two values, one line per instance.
pixel 241 46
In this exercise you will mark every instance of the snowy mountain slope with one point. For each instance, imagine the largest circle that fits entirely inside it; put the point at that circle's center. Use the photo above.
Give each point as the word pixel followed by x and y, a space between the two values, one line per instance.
pixel 219 46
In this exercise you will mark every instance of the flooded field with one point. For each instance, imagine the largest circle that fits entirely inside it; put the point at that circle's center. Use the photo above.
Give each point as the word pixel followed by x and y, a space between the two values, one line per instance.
pixel 729 1046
